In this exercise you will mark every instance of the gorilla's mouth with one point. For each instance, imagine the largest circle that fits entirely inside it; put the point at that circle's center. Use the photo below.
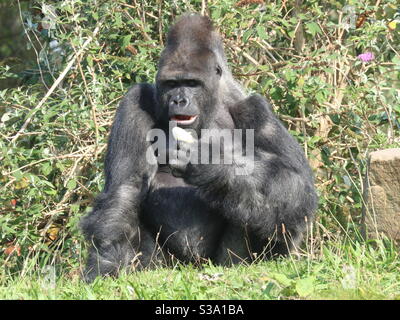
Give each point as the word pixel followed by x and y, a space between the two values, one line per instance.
pixel 183 119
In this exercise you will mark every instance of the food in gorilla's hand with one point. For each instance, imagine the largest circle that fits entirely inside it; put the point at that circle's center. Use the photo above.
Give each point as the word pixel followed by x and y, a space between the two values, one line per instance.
pixel 182 135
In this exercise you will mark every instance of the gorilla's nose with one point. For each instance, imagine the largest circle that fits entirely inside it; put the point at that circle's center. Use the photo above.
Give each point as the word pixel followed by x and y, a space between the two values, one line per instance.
pixel 178 102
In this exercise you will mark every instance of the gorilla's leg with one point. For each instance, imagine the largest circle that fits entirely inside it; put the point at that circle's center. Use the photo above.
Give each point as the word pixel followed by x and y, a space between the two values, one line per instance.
pixel 138 251
pixel 286 242
pixel 116 236
pixel 240 245
pixel 113 227
pixel 234 247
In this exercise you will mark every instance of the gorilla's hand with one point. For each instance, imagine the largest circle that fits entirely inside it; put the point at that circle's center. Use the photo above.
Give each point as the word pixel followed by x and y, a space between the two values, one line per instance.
pixel 177 157
pixel 199 160
pixel 184 155
pixel 180 158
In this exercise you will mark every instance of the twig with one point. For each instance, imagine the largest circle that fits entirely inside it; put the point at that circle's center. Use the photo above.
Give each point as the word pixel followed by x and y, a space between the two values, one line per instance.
pixel 160 21
pixel 66 156
pixel 246 55
pixel 94 113
pixel 33 46
pixel 55 84
pixel 203 7
pixel 289 118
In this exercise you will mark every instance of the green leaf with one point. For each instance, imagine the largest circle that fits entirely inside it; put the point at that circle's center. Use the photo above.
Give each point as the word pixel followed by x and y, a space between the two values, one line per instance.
pixel 261 32
pixel 118 20
pixel 89 60
pixel 126 41
pixel 305 287
pixel 50 192
pixel 71 184
pixel 74 208
pixel 271 290
pixel 46 168
pixel 313 28
pixel 216 14
pixel 247 34
pixel 282 279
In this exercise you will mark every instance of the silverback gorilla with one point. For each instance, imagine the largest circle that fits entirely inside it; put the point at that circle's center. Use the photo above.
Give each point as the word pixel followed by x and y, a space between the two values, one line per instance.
pixel 151 213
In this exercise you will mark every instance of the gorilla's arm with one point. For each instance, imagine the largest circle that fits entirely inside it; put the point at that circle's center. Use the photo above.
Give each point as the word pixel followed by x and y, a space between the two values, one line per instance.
pixel 125 161
pixel 280 188
pixel 112 225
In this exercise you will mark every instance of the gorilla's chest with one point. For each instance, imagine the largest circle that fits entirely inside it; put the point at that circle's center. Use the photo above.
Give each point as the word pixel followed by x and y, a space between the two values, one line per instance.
pixel 174 211
pixel 165 179
pixel 171 199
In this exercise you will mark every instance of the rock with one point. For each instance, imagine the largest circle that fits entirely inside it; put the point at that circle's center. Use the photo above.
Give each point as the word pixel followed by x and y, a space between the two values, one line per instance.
pixel 381 211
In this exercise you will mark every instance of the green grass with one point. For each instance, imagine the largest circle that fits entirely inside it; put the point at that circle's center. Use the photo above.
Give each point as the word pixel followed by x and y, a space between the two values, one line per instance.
pixel 334 271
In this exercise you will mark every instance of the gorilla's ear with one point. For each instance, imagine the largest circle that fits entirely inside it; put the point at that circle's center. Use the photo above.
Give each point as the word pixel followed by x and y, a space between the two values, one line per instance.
pixel 219 70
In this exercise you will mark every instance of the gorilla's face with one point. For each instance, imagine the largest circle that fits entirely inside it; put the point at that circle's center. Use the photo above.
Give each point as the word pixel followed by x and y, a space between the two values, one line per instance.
pixel 187 87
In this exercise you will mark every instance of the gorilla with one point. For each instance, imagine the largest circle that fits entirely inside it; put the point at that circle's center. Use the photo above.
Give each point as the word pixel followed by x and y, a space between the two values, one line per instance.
pixel 161 205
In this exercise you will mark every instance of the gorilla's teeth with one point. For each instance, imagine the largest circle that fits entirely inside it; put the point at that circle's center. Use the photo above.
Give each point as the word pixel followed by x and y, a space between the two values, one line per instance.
pixel 182 135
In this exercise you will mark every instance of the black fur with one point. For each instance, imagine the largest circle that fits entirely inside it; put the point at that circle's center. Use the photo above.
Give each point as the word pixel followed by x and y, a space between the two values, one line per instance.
pixel 146 214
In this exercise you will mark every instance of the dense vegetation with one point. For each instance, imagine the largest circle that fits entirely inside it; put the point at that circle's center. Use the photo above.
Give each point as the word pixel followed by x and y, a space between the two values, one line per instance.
pixel 330 68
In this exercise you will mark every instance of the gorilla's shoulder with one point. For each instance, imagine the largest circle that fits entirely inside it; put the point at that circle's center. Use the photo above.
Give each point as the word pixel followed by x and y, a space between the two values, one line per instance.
pixel 139 96
pixel 259 101
pixel 253 112
pixel 140 90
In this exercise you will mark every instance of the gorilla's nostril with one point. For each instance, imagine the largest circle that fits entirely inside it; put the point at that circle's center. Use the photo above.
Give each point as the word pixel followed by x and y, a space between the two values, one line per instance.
pixel 173 102
pixel 182 102
pixel 179 102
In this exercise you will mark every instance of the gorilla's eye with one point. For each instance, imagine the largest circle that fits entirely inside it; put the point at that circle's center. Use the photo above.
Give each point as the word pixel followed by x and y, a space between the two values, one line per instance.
pixel 192 83
pixel 170 83
pixel 219 70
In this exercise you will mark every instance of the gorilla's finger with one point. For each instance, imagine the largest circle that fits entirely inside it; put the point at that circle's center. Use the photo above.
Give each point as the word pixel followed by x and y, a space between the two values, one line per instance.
pixel 180 160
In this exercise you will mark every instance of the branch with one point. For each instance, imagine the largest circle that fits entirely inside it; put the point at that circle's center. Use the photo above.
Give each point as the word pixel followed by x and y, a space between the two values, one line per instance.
pixel 55 84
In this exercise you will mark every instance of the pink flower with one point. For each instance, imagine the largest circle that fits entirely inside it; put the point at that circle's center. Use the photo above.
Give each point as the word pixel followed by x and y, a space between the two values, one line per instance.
pixel 366 57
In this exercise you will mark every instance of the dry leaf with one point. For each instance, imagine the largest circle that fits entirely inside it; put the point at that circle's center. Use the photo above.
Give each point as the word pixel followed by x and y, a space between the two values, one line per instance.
pixel 52 233
pixel 11 249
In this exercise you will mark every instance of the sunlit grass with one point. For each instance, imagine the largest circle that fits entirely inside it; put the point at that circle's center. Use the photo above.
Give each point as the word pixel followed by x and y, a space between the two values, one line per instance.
pixel 337 270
